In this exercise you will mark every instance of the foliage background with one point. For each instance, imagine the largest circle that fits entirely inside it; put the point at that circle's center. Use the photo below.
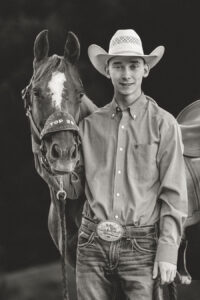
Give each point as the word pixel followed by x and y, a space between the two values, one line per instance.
pixel 174 83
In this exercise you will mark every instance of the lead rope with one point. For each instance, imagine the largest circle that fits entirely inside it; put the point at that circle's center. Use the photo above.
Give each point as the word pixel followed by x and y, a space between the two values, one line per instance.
pixel 61 196
pixel 158 293
pixel 173 291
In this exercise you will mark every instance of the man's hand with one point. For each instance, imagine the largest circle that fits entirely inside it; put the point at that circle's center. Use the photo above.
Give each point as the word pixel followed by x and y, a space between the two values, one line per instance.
pixel 167 271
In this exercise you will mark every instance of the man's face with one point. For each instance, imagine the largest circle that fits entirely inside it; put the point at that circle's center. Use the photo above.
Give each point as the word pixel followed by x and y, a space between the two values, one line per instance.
pixel 126 74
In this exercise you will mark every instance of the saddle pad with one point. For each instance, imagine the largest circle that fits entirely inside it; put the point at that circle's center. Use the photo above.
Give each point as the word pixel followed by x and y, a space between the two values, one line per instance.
pixel 189 120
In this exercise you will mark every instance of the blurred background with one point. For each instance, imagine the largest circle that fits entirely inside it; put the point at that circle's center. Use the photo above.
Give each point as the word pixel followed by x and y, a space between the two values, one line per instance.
pixel 27 254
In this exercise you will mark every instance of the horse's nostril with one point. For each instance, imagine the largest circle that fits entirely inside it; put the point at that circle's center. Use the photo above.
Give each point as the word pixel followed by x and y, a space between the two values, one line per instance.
pixel 56 151
pixel 74 152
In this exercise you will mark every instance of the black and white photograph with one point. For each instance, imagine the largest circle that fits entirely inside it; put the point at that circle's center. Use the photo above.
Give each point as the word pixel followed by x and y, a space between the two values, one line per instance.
pixel 100 150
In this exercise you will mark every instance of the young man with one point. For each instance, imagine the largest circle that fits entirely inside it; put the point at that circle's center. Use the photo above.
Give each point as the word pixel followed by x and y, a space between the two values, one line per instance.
pixel 136 197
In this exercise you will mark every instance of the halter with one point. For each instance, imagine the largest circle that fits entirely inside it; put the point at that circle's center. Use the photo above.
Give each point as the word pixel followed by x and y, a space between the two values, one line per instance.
pixel 35 131
pixel 51 125
pixel 61 195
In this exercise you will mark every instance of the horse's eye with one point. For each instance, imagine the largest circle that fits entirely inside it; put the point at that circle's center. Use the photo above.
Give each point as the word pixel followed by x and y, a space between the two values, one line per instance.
pixel 81 95
pixel 36 92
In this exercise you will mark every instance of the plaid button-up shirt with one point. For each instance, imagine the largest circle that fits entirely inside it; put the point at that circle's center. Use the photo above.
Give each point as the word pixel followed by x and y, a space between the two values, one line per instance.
pixel 135 172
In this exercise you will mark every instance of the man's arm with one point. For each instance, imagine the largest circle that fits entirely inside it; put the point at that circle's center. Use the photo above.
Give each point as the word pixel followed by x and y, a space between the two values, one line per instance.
pixel 173 200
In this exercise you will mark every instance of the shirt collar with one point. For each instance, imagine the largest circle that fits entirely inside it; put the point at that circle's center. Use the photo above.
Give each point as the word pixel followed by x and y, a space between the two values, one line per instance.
pixel 135 108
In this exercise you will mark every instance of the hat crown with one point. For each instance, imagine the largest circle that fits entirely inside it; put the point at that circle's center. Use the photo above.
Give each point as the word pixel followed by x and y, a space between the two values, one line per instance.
pixel 127 43
pixel 124 41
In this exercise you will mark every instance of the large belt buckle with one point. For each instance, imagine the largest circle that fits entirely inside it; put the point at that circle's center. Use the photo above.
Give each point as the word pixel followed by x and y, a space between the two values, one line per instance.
pixel 109 231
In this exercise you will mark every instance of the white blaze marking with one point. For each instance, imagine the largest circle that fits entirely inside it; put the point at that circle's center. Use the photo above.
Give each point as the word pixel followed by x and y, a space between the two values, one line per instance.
pixel 56 86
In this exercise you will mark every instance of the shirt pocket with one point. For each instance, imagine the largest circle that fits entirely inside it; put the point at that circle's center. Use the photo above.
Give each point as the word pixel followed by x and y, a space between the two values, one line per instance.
pixel 145 161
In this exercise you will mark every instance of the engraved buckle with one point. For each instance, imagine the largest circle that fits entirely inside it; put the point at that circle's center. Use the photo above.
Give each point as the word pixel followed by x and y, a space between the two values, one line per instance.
pixel 109 231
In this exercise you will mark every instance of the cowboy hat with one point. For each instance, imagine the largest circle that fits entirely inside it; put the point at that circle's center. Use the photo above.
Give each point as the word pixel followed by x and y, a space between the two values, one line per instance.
pixel 123 43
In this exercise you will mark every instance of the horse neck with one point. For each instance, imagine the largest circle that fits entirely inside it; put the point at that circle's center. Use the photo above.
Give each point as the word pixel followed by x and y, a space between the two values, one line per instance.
pixel 86 108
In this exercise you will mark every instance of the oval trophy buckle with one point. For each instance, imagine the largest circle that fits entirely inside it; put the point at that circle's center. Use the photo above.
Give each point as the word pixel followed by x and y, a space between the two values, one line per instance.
pixel 109 231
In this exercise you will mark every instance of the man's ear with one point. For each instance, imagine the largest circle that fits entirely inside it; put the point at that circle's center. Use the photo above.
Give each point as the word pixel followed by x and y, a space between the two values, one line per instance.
pixel 107 71
pixel 146 70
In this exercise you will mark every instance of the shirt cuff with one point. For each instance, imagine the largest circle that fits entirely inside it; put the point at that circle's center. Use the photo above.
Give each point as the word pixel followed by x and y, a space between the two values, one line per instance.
pixel 167 253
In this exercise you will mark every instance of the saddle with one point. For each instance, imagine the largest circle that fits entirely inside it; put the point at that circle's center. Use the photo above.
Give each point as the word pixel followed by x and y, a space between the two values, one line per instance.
pixel 189 121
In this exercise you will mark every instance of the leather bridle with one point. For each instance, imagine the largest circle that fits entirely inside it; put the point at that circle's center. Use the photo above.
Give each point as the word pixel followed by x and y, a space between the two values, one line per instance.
pixel 36 133
pixel 61 194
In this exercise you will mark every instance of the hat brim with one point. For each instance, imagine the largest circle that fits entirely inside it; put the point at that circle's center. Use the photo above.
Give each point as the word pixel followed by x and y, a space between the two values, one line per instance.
pixel 99 57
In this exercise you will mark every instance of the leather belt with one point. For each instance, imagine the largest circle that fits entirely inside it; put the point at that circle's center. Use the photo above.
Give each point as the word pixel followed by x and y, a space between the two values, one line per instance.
pixel 110 230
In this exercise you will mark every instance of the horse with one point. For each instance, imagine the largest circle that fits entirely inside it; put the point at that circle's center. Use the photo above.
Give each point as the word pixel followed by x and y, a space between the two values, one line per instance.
pixel 55 103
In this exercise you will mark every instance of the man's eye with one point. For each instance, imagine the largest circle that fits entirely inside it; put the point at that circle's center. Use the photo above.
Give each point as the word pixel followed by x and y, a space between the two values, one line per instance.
pixel 134 66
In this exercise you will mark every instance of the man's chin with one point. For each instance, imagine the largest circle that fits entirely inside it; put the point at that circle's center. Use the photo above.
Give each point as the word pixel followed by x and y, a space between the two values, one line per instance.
pixel 127 92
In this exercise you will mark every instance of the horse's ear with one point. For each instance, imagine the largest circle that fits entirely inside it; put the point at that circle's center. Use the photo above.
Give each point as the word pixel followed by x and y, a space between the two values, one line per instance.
pixel 41 45
pixel 72 48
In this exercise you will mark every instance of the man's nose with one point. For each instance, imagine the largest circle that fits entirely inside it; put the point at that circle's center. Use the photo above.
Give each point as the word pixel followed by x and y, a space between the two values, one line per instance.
pixel 126 73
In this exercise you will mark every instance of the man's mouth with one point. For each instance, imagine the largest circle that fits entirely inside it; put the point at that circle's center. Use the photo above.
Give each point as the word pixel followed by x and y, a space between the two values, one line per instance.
pixel 126 84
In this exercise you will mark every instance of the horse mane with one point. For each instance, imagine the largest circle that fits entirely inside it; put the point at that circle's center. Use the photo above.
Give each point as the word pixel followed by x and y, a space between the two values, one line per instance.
pixel 87 107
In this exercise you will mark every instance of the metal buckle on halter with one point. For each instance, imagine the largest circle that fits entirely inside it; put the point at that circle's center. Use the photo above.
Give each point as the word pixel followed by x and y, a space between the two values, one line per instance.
pixel 109 231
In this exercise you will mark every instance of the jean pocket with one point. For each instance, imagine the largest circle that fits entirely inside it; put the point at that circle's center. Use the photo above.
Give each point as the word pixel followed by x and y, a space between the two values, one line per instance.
pixel 145 245
pixel 85 239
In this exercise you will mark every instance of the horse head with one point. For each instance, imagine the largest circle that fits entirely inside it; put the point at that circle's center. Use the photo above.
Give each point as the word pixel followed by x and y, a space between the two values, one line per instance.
pixel 52 102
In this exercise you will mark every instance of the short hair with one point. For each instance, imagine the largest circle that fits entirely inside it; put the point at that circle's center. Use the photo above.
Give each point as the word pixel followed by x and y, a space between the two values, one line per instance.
pixel 109 59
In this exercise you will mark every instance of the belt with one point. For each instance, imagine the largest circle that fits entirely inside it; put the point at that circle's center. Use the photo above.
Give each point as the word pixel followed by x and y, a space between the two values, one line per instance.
pixel 112 231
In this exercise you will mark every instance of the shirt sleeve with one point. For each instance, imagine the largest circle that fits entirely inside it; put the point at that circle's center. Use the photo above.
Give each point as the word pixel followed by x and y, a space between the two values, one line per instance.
pixel 172 193
pixel 73 183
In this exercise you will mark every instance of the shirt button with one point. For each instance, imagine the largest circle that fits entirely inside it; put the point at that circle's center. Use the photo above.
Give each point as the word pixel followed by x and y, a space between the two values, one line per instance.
pixel 122 127
pixel 134 117
pixel 120 149
pixel 116 216
pixel 113 115
pixel 118 194
pixel 119 171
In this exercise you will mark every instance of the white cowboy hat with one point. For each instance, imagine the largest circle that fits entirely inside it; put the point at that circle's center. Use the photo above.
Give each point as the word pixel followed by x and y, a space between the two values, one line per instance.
pixel 123 43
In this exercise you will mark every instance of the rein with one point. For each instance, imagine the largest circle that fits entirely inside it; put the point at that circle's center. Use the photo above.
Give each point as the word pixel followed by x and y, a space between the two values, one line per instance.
pixel 61 194
pixel 61 197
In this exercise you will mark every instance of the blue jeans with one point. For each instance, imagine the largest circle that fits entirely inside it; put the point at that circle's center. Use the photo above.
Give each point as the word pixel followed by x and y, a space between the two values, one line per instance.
pixel 128 263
